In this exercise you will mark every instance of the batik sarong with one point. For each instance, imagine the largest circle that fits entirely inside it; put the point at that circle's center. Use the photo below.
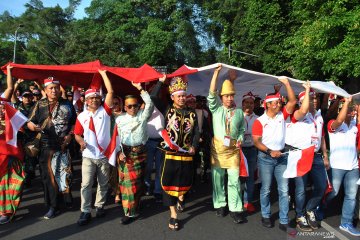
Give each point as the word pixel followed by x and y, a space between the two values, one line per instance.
pixel 61 168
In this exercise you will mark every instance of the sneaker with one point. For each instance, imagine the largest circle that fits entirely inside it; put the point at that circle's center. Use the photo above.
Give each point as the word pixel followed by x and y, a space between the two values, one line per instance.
pixel 250 208
pixel 100 212
pixel 349 228
pixel 266 222
pixel 85 218
pixel 220 212
pixel 311 219
pixel 283 227
pixel 238 217
pixel 302 224
pixel 4 219
pixel 50 214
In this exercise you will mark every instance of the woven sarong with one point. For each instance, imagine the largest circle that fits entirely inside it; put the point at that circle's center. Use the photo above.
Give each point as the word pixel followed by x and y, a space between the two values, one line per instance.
pixel 11 184
pixel 177 174
pixel 131 174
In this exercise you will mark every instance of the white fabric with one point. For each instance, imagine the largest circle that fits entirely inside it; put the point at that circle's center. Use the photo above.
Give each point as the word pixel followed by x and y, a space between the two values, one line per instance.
pixel 155 124
pixel 291 167
pixel 343 147
pixel 247 80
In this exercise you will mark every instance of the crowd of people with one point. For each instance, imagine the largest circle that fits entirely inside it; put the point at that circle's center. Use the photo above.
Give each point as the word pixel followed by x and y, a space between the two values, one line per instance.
pixel 178 133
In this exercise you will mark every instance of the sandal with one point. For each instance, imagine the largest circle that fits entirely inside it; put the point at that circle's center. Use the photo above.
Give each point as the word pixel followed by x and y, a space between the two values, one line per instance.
pixel 174 224
pixel 180 206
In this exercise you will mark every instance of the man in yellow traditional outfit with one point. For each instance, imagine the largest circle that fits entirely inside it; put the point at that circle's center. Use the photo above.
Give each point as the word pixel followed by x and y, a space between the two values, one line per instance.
pixel 229 128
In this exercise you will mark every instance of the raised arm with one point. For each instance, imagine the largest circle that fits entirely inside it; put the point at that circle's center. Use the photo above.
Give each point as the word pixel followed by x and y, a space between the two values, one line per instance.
pixel 290 106
pixel 9 83
pixel 342 114
pixel 304 109
pixel 14 99
pixel 109 88
pixel 214 79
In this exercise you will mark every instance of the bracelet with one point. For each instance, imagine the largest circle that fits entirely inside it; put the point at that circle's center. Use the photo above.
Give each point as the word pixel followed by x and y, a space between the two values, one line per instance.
pixel 268 151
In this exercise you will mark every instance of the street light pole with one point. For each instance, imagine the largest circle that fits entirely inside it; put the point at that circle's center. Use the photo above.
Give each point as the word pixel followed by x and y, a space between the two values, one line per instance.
pixel 14 56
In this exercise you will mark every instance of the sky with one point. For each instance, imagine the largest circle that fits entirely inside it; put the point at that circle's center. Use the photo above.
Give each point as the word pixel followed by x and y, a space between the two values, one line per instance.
pixel 16 7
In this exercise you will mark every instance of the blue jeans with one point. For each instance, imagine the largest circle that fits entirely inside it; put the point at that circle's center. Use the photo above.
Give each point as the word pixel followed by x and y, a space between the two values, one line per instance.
pixel 268 167
pixel 318 174
pixel 349 178
pixel 154 154
pixel 251 155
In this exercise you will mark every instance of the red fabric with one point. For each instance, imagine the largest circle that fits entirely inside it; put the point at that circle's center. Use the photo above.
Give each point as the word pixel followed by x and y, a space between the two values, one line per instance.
pixel 329 126
pixel 84 74
pixel 111 150
pixel 257 129
pixel 183 70
pixel 107 109
pixel 78 129
pixel 243 166
pixel 305 163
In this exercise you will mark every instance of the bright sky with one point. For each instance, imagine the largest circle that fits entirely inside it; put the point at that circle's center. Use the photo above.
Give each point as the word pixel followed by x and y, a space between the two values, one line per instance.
pixel 16 7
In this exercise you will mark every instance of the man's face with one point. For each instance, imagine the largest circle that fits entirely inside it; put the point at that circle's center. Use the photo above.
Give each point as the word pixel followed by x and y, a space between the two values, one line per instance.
pixel 274 106
pixel 93 102
pixel 52 91
pixel 179 99
pixel 117 105
pixel 131 106
pixel 248 105
pixel 228 100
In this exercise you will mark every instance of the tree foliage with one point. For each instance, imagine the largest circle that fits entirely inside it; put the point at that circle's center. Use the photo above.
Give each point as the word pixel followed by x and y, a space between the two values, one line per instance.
pixel 316 39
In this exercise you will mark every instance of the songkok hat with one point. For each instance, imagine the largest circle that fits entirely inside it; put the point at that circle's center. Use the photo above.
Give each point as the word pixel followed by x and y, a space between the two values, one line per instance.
pixel 227 88
pixel 92 92
pixel 177 85
pixel 249 95
pixel 36 92
pixel 302 94
pixel 50 80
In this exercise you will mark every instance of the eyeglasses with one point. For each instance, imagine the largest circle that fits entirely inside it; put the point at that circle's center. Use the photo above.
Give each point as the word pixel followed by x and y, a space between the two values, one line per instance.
pixel 132 106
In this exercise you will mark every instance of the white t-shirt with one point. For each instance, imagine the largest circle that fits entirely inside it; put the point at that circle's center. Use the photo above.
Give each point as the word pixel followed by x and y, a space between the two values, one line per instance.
pixel 102 122
pixel 306 132
pixel 272 130
pixel 343 153
pixel 249 122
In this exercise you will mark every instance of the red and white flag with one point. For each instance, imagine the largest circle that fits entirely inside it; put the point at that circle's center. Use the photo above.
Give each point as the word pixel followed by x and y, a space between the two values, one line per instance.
pixel 14 120
pixel 172 145
pixel 244 168
pixel 299 162
pixel 76 98
pixel 112 150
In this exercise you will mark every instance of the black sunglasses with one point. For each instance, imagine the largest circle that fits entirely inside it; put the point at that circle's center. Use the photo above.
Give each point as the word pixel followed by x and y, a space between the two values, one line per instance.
pixel 132 106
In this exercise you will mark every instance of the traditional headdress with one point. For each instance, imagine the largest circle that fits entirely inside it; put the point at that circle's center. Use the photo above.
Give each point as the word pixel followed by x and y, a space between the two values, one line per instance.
pixel 177 85
pixel 190 97
pixel 227 88
pixel 249 95
pixel 50 80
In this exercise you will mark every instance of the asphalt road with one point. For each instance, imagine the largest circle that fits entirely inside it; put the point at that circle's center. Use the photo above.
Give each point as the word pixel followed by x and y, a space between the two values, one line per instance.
pixel 197 222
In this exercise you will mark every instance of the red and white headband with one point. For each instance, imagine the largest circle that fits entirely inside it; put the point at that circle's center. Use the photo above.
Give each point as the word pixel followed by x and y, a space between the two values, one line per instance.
pixel 92 92
pixel 50 80
pixel 302 94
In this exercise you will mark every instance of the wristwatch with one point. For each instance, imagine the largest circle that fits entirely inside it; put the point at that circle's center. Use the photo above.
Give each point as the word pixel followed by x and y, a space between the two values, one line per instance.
pixel 268 151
